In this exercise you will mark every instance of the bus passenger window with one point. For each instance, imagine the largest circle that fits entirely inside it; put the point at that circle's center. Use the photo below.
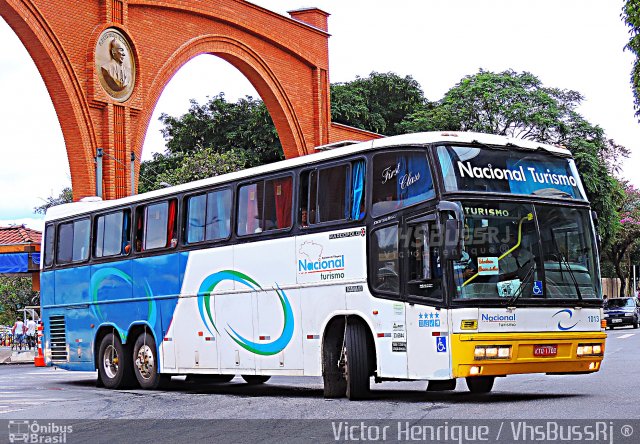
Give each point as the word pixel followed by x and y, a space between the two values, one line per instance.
pixel 112 234
pixel 159 224
pixel 332 194
pixel 48 246
pixel 265 206
pixel 139 228
pixel 333 191
pixel 250 209
pixel 73 241
pixel 277 203
pixel 209 216
pixel 384 260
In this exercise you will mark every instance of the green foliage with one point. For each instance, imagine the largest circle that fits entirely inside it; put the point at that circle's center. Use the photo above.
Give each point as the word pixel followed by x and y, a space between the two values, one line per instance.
pixel 65 196
pixel 378 103
pixel 631 16
pixel 195 166
pixel 240 133
pixel 15 293
pixel 518 105
pixel 627 238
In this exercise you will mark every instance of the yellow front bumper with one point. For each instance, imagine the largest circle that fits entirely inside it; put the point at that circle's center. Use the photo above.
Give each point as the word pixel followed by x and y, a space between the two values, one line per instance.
pixel 522 359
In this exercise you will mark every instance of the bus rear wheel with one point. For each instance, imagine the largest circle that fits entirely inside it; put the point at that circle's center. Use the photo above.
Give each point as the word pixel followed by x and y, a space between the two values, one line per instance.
pixel 356 357
pixel 255 379
pixel 145 361
pixel 480 384
pixel 115 367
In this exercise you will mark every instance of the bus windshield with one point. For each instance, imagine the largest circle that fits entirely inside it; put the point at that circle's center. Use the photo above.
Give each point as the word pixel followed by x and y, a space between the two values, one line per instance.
pixel 526 251
pixel 468 168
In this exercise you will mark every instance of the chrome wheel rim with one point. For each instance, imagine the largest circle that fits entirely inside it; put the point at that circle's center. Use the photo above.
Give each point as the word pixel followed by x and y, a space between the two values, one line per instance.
pixel 145 362
pixel 111 361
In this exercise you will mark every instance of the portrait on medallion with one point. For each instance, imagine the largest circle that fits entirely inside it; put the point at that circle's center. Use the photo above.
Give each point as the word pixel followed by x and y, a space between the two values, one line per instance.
pixel 115 73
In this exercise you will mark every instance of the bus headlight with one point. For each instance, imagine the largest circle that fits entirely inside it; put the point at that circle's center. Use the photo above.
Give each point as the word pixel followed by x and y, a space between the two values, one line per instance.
pixel 492 352
pixel 589 350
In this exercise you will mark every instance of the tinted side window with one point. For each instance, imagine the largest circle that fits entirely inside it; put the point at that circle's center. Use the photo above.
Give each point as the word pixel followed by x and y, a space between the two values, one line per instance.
pixel 112 234
pixel 73 241
pixel 384 272
pixel 157 217
pixel 64 248
pixel 156 226
pixel 81 233
pixel 332 194
pixel 48 246
pixel 265 206
pixel 400 179
pixel 209 216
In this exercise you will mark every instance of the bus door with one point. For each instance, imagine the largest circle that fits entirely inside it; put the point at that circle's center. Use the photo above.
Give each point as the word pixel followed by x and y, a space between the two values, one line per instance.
pixel 428 346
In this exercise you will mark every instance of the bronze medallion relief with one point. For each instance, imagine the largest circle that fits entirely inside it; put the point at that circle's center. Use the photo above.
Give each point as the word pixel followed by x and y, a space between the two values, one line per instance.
pixel 115 64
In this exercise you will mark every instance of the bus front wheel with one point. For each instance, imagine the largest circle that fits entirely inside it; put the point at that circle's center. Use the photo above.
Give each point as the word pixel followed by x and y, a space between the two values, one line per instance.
pixel 115 367
pixel 356 366
pixel 145 360
pixel 480 384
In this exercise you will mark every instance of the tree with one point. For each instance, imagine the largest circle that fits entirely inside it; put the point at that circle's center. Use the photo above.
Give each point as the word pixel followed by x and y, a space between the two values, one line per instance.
pixel 377 103
pixel 241 133
pixel 628 235
pixel 631 16
pixel 518 105
pixel 195 166
pixel 15 294
pixel 65 196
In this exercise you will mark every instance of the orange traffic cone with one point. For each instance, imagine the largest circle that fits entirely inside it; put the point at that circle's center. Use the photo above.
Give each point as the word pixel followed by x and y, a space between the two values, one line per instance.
pixel 39 361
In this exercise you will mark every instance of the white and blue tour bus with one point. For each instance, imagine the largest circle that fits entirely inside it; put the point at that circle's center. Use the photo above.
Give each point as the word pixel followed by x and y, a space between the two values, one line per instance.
pixel 431 256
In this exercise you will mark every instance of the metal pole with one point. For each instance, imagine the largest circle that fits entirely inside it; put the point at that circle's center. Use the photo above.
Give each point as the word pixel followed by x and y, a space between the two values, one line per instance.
pixel 99 172
pixel 133 173
pixel 633 291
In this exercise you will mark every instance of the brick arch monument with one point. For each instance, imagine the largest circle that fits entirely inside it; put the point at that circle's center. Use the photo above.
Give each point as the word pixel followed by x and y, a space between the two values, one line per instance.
pixel 106 62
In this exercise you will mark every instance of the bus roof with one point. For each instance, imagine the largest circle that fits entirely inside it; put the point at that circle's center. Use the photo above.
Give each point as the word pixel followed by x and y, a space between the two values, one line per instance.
pixel 94 204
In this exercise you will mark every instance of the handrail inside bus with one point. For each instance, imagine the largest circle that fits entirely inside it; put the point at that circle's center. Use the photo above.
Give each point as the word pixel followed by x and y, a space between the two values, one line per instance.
pixel 528 217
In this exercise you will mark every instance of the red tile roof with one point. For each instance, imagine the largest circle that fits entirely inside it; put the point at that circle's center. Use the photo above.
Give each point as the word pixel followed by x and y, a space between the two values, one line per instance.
pixel 19 234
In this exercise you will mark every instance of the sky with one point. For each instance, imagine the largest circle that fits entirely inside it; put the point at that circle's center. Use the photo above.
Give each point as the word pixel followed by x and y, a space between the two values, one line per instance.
pixel 570 44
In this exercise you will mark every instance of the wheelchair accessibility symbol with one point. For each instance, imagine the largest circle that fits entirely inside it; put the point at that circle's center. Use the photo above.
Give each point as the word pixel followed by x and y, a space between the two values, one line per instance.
pixel 537 288
pixel 441 344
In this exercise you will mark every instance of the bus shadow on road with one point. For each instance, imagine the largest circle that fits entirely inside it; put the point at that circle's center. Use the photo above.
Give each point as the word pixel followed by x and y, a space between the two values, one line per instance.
pixel 275 389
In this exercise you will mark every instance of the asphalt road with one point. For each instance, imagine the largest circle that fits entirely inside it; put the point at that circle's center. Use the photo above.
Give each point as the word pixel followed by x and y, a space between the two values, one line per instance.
pixel 27 392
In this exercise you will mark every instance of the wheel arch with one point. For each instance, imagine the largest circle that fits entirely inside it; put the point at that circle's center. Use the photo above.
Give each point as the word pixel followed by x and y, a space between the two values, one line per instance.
pixel 335 325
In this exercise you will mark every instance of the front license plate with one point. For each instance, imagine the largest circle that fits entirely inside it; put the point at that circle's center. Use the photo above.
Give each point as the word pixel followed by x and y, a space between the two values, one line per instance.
pixel 615 321
pixel 545 350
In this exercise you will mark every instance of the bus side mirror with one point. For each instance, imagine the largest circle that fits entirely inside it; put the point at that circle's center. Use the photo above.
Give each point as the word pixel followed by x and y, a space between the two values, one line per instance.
pixel 452 248
pixel 594 217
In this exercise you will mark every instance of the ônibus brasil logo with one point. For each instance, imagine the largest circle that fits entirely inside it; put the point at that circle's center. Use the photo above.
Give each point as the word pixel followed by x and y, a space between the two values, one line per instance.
pixel 204 306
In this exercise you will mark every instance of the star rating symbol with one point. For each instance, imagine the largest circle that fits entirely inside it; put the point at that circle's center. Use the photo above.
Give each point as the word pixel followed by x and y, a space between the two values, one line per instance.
pixel 437 315
pixel 431 315
pixel 420 315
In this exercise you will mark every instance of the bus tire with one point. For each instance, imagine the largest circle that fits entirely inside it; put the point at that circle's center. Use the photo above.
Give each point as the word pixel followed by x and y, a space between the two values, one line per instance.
pixel 255 379
pixel 356 356
pixel 145 363
pixel 335 384
pixel 480 384
pixel 115 367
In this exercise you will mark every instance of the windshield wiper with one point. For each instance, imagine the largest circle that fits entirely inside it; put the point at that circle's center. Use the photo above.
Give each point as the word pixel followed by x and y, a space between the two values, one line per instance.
pixel 573 276
pixel 512 300
pixel 563 260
